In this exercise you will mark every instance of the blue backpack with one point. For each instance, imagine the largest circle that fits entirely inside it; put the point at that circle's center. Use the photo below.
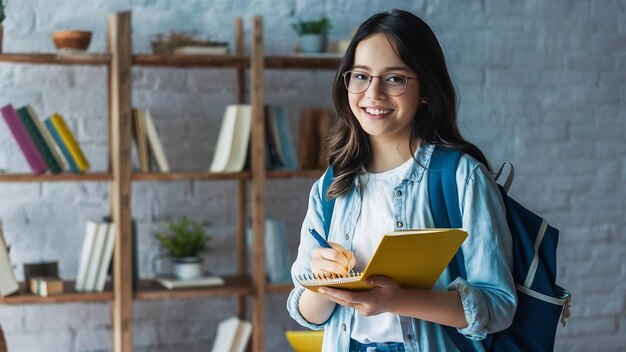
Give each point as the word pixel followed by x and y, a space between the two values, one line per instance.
pixel 540 301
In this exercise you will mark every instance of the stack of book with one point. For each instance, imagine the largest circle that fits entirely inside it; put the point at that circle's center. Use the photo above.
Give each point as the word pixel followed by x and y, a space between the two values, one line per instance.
pixel 148 145
pixel 232 149
pixel 47 146
pixel 95 256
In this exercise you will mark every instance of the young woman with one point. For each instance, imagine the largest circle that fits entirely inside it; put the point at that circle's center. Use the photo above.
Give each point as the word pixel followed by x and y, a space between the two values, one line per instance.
pixel 395 102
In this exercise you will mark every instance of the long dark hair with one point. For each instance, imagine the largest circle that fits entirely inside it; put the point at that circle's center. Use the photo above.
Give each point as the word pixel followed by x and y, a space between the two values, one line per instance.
pixel 436 123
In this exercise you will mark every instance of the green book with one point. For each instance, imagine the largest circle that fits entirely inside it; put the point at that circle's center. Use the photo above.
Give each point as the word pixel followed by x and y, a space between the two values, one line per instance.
pixel 38 139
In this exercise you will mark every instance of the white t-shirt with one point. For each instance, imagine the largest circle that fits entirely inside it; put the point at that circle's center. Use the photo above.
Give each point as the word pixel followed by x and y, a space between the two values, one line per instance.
pixel 376 219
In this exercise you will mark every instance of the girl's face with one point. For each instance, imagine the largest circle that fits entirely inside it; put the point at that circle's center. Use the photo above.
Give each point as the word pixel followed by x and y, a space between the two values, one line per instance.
pixel 382 116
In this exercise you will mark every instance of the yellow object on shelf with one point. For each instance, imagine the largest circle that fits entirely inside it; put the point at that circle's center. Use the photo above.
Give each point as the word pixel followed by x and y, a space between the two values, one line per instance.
pixel 305 341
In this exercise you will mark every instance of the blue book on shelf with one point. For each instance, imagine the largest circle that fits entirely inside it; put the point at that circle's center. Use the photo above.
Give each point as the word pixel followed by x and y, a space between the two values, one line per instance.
pixel 57 138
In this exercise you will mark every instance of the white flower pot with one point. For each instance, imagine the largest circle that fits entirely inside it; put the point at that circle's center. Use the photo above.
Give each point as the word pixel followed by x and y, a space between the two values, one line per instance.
pixel 187 268
pixel 313 43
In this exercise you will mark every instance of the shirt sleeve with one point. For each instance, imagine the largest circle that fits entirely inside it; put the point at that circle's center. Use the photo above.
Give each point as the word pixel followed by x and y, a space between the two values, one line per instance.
pixel 302 264
pixel 488 294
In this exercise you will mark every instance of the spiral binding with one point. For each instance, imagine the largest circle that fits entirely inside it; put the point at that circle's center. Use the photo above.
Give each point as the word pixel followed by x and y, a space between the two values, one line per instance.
pixel 312 279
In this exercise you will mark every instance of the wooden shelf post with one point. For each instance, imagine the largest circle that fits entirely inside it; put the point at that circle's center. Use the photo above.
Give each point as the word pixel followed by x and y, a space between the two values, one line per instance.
pixel 258 186
pixel 119 26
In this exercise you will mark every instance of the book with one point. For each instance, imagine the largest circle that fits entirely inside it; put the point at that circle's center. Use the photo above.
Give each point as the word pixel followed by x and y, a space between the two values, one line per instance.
pixel 47 138
pixel 25 142
pixel 314 126
pixel 70 142
pixel 8 282
pixel 285 138
pixel 45 285
pixel 35 134
pixel 154 142
pixel 41 269
pixel 273 157
pixel 173 283
pixel 233 140
pixel 232 335
pixel 305 341
pixel 201 50
pixel 277 259
pixel 101 232
pixel 412 258
pixel 105 259
pixel 141 141
pixel 56 136
pixel 85 255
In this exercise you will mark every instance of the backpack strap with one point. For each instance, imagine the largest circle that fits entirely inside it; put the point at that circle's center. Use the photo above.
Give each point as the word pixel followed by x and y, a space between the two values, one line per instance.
pixel 444 205
pixel 327 205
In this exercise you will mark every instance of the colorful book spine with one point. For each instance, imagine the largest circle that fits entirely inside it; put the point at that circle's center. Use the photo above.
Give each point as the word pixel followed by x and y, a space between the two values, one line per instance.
pixel 47 137
pixel 64 150
pixel 26 144
pixel 70 142
pixel 37 138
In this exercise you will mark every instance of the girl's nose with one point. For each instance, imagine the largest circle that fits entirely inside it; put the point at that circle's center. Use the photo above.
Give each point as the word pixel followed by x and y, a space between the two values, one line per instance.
pixel 375 91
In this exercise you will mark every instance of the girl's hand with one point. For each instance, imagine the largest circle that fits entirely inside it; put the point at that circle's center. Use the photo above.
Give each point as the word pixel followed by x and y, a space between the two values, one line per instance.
pixel 336 260
pixel 378 300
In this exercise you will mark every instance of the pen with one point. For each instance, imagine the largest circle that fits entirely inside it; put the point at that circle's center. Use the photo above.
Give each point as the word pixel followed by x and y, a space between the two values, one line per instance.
pixel 319 238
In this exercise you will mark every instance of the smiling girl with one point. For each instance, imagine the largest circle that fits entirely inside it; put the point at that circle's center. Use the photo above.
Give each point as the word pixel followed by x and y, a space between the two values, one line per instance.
pixel 395 101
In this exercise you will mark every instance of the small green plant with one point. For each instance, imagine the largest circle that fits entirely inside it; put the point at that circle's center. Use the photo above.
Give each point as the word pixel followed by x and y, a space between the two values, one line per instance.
pixel 184 238
pixel 3 5
pixel 319 26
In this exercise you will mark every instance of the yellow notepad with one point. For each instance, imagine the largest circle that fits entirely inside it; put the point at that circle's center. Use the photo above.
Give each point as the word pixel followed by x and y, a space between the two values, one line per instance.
pixel 412 258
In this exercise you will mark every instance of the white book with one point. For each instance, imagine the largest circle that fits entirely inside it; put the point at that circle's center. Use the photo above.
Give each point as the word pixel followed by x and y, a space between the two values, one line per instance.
pixel 201 50
pixel 232 335
pixel 241 139
pixel 47 138
pixel 96 254
pixel 173 283
pixel 105 260
pixel 232 143
pixel 8 282
pixel 155 143
pixel 85 254
pixel 224 141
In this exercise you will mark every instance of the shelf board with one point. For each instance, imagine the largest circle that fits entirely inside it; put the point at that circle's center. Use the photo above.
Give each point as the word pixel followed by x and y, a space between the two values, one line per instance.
pixel 324 62
pixel 189 175
pixel 172 60
pixel 233 286
pixel 69 295
pixel 65 176
pixel 57 59
pixel 280 174
pixel 279 288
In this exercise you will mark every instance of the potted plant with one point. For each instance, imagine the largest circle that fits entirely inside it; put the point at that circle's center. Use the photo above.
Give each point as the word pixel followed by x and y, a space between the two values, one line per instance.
pixel 3 5
pixel 184 241
pixel 312 34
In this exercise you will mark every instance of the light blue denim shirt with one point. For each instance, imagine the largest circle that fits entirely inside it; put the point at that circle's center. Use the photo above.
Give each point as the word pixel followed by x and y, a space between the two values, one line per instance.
pixel 488 295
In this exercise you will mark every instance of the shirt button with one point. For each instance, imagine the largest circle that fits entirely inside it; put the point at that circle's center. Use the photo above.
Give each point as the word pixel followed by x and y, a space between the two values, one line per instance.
pixel 398 193
pixel 409 337
pixel 343 327
pixel 400 224
pixel 347 237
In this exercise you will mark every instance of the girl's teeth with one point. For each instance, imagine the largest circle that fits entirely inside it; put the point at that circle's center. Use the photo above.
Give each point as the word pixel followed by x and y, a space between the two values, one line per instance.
pixel 376 111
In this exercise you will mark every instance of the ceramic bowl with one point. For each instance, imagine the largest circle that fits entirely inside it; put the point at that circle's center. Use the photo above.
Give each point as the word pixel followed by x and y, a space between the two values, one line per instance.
pixel 72 40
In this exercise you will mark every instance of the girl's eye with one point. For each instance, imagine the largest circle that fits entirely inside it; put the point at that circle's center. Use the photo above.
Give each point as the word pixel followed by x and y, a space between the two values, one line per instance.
pixel 361 76
pixel 395 79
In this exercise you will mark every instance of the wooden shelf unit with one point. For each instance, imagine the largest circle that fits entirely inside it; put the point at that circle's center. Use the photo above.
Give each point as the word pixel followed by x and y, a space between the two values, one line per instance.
pixel 119 63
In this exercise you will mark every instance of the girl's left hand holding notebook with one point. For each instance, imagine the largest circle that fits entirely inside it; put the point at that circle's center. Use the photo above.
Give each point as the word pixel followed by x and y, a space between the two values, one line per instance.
pixel 332 261
pixel 380 299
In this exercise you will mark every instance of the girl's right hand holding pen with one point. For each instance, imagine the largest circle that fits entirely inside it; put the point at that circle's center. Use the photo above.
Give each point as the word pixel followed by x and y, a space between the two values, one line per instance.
pixel 336 260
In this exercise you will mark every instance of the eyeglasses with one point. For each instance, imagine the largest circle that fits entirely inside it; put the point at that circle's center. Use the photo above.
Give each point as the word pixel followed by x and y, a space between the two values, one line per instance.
pixel 392 84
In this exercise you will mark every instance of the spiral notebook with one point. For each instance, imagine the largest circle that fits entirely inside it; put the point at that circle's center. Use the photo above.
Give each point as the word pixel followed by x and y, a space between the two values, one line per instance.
pixel 412 258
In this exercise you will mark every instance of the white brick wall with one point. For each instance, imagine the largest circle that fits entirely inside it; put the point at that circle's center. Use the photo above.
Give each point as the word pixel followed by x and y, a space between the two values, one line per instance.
pixel 540 84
